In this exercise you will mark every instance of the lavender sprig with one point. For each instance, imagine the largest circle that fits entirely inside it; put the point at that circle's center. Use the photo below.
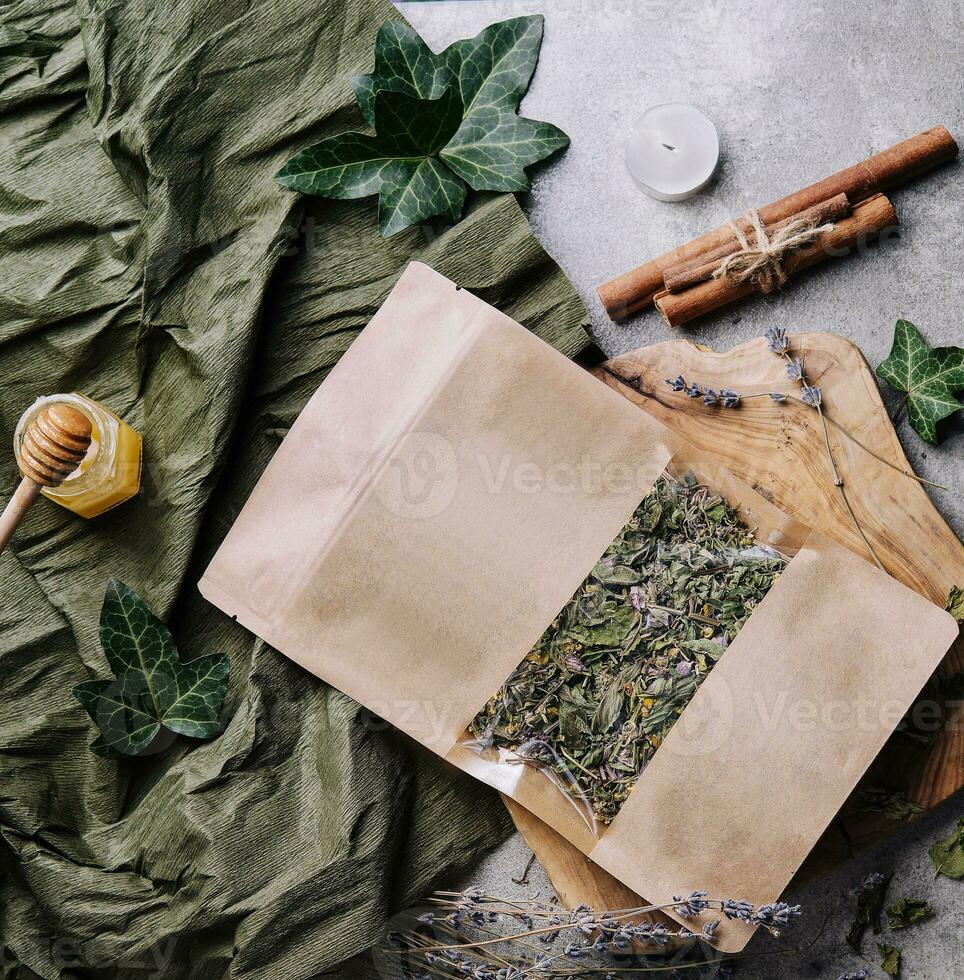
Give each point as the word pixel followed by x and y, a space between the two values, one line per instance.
pixel 475 950
pixel 725 397
pixel 777 339
pixel 779 343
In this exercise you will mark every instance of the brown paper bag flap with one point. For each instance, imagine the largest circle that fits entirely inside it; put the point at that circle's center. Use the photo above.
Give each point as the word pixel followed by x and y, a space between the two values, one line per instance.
pixel 777 737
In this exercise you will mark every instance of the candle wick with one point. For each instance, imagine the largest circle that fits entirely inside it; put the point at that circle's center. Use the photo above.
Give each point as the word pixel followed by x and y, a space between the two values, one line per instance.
pixel 668 147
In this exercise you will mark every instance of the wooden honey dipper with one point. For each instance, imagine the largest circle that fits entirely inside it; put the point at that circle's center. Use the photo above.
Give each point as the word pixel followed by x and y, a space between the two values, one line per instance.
pixel 52 447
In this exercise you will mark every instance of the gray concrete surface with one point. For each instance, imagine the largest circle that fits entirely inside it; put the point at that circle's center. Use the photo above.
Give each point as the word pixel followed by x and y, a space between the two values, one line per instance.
pixel 798 91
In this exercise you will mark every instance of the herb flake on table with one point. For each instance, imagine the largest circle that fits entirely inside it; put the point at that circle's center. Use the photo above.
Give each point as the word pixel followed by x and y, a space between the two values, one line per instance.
pixel 894 805
pixel 907 911
pixel 870 903
pixel 955 603
pixel 947 855
pixel 890 962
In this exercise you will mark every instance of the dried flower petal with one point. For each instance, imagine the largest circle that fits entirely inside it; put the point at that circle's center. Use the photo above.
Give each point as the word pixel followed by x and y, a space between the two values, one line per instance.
pixel 636 598
pixel 729 398
pixel 795 369
pixel 777 340
pixel 811 395
pixel 779 396
pixel 694 905
pixel 678 383
pixel 737 909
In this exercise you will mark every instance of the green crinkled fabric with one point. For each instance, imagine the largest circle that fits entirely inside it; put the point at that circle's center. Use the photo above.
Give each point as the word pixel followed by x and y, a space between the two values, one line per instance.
pixel 148 259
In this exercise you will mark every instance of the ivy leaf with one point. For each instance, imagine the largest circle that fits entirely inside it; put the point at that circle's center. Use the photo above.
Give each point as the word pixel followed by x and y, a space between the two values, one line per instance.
pixel 403 63
pixel 947 855
pixel 152 689
pixel 908 911
pixel 493 147
pixel 399 163
pixel 930 378
pixel 441 121
pixel 890 963
pixel 491 70
pixel 955 603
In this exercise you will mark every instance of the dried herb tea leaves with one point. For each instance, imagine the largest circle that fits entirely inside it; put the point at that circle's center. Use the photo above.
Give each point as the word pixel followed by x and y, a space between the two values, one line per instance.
pixel 890 963
pixel 908 911
pixel 596 696
pixel 893 805
pixel 947 855
pixel 870 903
pixel 955 603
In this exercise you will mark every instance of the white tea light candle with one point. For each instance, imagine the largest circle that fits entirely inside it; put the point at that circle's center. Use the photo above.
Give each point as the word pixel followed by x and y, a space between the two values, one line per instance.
pixel 673 151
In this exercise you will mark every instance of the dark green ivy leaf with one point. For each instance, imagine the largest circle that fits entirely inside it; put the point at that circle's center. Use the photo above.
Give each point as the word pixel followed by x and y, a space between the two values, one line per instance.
pixel 947 855
pixel 403 63
pixel 399 163
pixel 908 911
pixel 890 963
pixel 491 70
pixel 493 147
pixel 930 377
pixel 456 112
pixel 152 689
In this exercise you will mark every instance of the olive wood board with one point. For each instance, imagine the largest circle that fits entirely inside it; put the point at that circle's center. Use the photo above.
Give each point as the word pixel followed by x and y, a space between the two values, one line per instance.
pixel 779 449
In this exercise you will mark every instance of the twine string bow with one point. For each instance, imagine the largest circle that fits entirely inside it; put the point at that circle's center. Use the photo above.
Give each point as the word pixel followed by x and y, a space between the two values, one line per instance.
pixel 762 262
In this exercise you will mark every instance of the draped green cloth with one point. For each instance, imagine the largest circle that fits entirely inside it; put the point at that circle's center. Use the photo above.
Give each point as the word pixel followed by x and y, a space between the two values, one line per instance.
pixel 148 259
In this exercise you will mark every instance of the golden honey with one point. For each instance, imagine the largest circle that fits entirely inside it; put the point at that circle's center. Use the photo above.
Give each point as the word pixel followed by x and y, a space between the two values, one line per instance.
pixel 109 474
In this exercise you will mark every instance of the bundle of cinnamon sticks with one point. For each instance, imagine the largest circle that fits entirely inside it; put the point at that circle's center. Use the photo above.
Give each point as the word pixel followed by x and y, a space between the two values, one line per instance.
pixel 849 208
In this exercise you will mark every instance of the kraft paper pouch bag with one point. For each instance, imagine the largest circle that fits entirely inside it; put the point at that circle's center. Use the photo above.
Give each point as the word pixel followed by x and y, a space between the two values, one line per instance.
pixel 459 506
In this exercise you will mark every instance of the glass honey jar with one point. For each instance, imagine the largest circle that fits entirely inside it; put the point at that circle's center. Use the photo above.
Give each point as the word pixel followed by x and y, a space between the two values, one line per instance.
pixel 109 474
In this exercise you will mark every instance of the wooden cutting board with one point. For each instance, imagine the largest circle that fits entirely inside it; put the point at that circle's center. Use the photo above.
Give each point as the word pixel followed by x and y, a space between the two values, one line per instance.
pixel 780 450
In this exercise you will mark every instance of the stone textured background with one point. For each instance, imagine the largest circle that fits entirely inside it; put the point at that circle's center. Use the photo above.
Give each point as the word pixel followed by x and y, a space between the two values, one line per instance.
pixel 798 91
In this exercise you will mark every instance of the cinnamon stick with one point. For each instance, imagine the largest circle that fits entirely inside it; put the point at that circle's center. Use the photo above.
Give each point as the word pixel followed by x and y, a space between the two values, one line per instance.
pixel 868 219
pixel 678 278
pixel 630 292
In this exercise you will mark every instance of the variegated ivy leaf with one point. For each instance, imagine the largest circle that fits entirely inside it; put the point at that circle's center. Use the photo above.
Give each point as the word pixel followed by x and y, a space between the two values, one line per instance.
pixel 152 689
pixel 931 378
pixel 415 92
